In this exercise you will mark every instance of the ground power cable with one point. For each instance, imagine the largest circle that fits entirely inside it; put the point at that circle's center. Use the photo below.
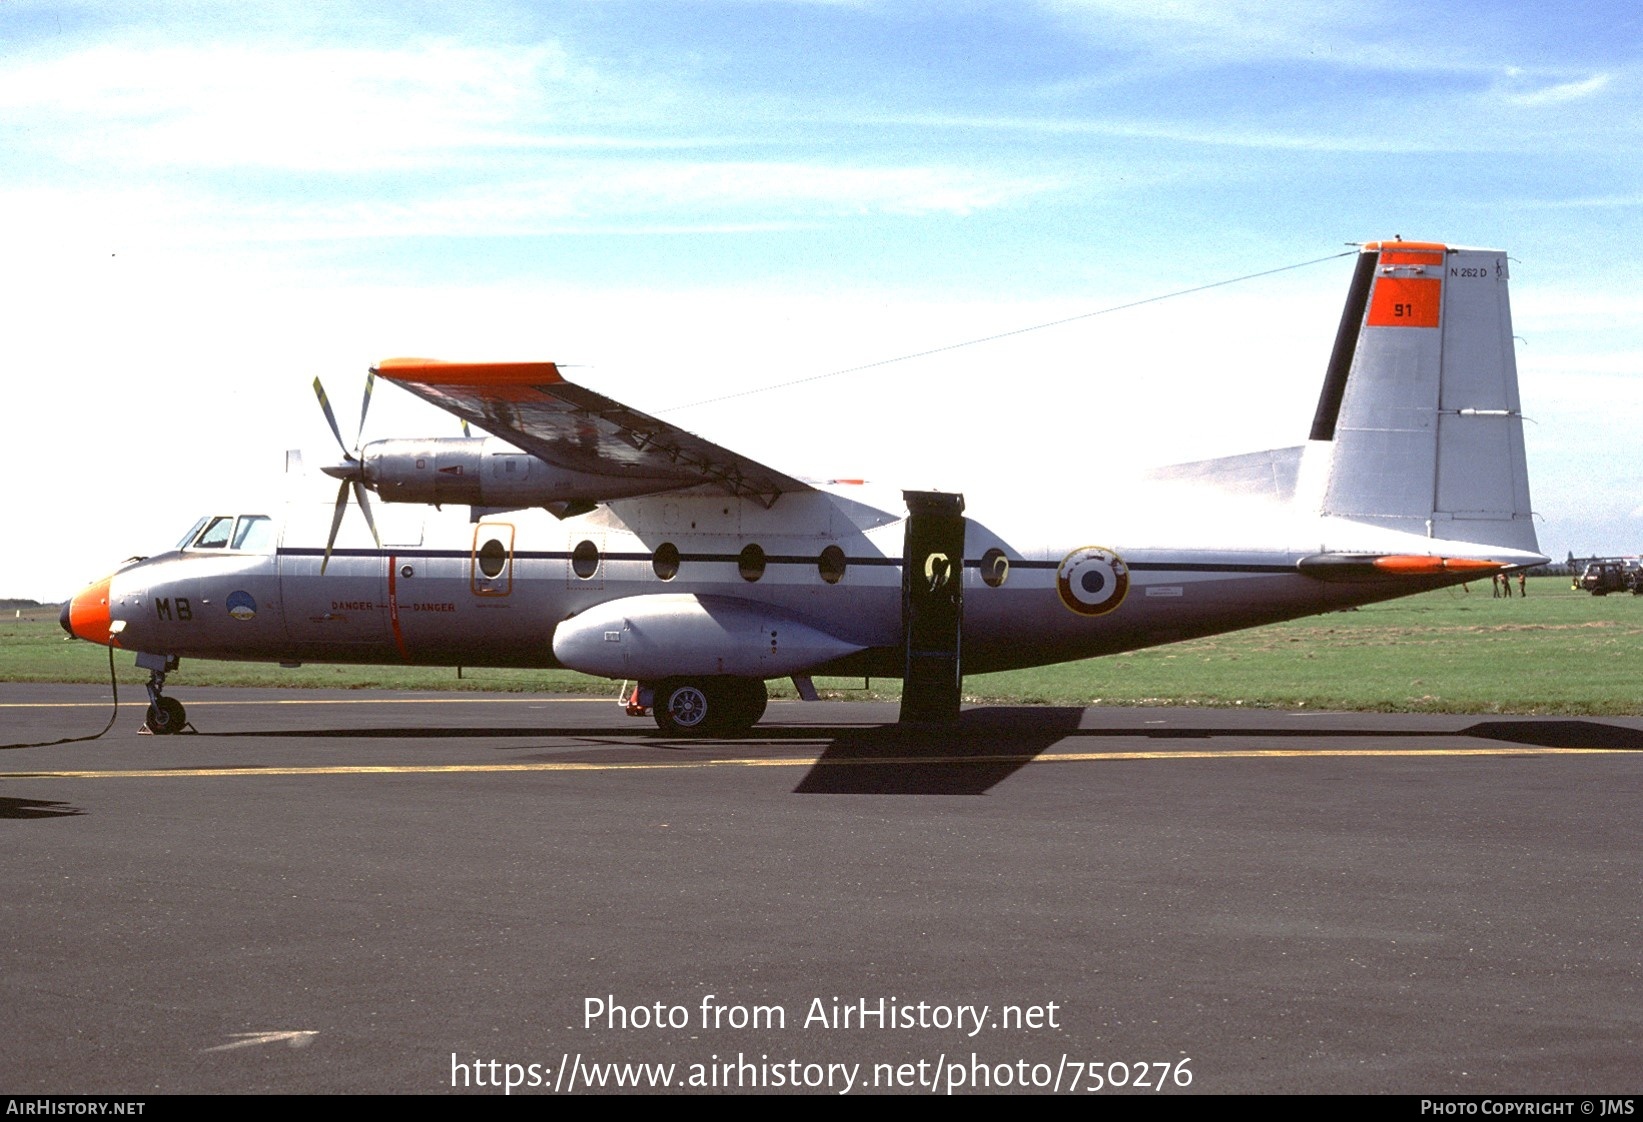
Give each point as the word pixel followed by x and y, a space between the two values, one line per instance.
pixel 114 684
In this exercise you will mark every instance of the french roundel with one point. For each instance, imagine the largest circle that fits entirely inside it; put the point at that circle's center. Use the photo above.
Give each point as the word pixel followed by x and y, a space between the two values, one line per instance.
pixel 1092 581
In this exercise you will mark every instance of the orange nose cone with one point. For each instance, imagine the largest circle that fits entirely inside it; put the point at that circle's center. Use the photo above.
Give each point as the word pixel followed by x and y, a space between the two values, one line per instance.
pixel 88 615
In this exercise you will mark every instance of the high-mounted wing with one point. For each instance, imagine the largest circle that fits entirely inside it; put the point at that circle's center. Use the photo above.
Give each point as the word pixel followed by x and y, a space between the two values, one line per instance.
pixel 531 405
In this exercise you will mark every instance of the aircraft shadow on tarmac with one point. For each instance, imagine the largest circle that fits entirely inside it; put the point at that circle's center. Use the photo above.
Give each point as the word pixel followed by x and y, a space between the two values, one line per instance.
pixel 1560 734
pixel 987 747
pixel 990 744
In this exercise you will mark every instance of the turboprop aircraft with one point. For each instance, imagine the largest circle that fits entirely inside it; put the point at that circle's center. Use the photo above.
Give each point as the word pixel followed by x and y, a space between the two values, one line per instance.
pixel 586 534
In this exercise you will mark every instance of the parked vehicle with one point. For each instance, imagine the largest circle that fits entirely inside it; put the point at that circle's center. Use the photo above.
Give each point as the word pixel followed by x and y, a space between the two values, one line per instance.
pixel 1612 574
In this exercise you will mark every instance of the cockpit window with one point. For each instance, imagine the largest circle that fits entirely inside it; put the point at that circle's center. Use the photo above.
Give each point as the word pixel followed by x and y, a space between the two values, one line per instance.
pixel 188 538
pixel 254 532
pixel 215 535
pixel 251 532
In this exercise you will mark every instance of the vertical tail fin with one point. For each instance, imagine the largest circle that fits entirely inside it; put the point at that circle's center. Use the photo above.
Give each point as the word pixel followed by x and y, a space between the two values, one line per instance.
pixel 1420 408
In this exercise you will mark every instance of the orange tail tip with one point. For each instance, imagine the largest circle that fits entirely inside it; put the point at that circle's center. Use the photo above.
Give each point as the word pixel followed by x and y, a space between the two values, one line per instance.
pixel 1416 565
pixel 1469 564
pixel 1393 566
pixel 1400 244
pixel 1409 566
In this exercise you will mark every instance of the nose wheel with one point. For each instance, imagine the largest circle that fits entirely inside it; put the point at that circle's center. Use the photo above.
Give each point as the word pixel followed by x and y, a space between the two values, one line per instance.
pixel 165 715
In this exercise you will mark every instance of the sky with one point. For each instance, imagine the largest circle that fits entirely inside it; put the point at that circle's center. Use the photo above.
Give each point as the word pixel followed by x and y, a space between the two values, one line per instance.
pixel 718 211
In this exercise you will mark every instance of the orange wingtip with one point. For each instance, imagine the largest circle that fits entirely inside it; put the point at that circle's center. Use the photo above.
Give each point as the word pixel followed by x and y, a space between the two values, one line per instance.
pixel 1414 565
pixel 434 372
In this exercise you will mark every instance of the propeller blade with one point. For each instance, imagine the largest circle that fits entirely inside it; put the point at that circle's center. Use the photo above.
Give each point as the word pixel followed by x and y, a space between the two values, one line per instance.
pixel 336 522
pixel 365 509
pixel 351 471
pixel 330 418
pixel 364 405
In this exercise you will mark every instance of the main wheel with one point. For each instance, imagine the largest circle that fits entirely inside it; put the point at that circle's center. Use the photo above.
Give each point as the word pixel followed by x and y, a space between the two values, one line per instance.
pixel 684 708
pixel 748 698
pixel 165 716
pixel 709 706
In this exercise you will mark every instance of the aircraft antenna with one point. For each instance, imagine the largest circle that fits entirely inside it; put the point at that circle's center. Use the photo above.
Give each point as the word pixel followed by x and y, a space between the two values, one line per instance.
pixel 1008 334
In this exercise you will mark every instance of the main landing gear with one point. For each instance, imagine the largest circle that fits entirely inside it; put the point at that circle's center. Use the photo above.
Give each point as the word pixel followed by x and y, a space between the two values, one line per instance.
pixel 709 706
pixel 165 715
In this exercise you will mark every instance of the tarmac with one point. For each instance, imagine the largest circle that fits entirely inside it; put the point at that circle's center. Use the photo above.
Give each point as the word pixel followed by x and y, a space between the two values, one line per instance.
pixel 356 892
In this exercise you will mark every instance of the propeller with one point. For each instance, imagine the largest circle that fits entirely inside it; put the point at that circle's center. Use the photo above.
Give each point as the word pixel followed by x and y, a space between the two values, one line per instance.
pixel 350 470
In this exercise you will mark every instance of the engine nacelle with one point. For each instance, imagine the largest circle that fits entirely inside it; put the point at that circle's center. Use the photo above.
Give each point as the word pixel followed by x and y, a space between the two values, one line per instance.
pixel 665 635
pixel 485 471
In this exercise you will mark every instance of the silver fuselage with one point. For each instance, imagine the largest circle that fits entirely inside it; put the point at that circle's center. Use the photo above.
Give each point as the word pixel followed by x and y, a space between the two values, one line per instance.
pixel 449 588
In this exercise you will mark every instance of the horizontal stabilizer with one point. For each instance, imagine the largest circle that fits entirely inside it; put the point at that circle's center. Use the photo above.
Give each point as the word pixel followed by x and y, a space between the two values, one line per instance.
pixel 1271 474
pixel 1358 567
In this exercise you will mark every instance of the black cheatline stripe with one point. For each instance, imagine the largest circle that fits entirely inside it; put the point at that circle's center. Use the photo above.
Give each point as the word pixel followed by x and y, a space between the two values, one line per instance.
pixel 414 552
pixel 1173 566
pixel 1192 567
pixel 735 558
pixel 395 551
pixel 1346 343
pixel 732 558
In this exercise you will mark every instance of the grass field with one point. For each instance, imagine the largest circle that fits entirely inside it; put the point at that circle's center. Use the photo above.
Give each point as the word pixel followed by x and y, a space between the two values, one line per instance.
pixel 1554 651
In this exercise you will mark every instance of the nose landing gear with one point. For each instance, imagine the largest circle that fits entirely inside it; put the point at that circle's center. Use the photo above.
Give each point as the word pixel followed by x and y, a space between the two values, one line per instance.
pixel 165 715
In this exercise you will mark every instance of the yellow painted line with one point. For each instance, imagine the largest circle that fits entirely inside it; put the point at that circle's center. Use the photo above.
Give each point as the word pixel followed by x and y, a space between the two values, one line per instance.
pixel 197 704
pixel 865 761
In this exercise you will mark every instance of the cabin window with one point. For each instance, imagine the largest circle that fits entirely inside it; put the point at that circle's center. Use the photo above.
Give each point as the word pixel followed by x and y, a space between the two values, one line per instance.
pixel 751 563
pixel 492 572
pixel 831 564
pixel 995 568
pixel 584 559
pixel 492 558
pixel 666 561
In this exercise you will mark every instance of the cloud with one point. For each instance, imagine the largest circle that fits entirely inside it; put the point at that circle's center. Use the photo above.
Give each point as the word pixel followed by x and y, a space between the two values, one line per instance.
pixel 1326 33
pixel 279 142
pixel 1562 92
pixel 331 109
pixel 1590 202
pixel 1206 134
pixel 1230 27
